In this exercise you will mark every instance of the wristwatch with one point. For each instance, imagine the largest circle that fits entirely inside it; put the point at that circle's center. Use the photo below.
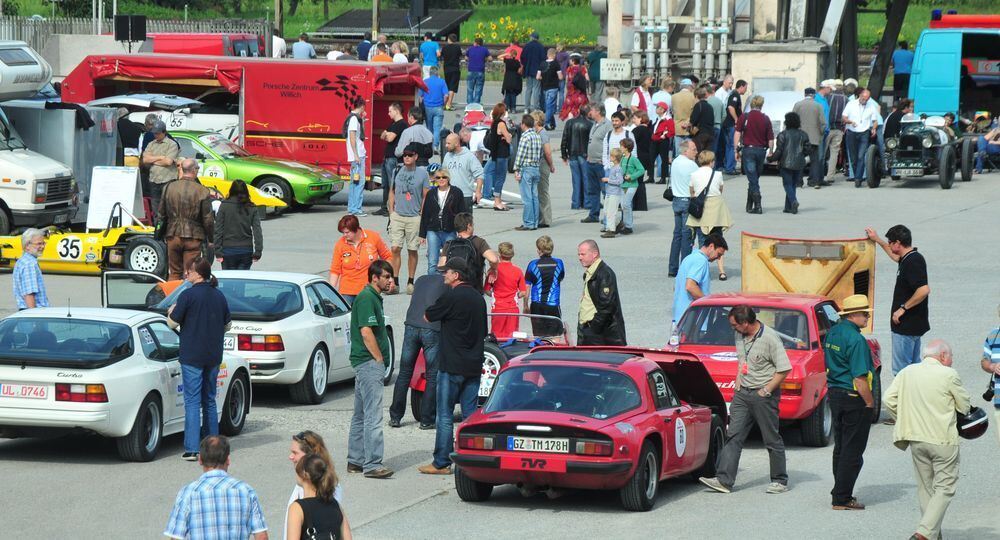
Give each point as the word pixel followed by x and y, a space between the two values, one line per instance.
pixel 903 307
pixel 766 393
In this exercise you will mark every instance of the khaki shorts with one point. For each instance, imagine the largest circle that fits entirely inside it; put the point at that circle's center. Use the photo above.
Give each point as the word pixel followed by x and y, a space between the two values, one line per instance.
pixel 404 231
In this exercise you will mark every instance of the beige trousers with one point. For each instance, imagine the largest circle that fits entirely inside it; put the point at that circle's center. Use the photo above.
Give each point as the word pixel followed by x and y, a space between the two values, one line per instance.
pixel 936 468
pixel 833 142
pixel 544 200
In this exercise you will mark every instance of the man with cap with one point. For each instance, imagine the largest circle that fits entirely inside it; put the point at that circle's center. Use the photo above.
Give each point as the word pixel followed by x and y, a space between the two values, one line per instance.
pixel 683 103
pixel 160 157
pixel 814 125
pixel 849 374
pixel 924 399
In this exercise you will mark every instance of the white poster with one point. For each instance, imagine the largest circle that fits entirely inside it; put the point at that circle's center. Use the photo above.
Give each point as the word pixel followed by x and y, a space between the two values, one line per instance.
pixel 110 185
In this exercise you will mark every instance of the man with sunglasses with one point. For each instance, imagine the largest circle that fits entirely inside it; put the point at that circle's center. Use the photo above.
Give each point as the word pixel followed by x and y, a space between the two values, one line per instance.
pixel 369 348
pixel 29 289
pixel 849 374
pixel 406 199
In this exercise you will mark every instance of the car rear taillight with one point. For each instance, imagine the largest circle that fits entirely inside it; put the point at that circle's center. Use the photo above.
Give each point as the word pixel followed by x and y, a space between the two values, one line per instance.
pixel 475 442
pixel 791 388
pixel 260 342
pixel 588 447
pixel 81 393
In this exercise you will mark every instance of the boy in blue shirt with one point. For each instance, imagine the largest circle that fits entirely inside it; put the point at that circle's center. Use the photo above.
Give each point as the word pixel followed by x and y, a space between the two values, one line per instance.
pixel 433 100
pixel 544 275
pixel 429 53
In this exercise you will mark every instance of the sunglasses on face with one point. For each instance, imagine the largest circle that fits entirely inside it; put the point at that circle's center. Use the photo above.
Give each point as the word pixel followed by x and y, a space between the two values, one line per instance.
pixel 300 437
pixel 442 177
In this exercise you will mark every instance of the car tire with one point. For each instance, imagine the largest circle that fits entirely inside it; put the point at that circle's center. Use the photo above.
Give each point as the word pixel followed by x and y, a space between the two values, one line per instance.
pixel 716 440
pixel 877 395
pixel 873 167
pixel 817 428
pixel 278 188
pixel 311 389
pixel 390 366
pixel 236 406
pixel 143 441
pixel 416 401
pixel 494 359
pixel 968 157
pixel 639 493
pixel 946 167
pixel 5 222
pixel 470 490
pixel 145 254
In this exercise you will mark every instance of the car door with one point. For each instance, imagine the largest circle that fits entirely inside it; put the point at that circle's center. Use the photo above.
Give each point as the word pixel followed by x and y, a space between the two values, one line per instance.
pixel 161 346
pixel 335 309
pixel 209 163
pixel 130 289
pixel 678 425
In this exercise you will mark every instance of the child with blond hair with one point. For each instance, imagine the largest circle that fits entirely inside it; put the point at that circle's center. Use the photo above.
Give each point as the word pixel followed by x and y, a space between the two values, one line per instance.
pixel 506 289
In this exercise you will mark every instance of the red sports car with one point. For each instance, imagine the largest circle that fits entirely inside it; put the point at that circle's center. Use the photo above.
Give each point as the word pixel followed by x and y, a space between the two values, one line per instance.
pixel 606 418
pixel 801 321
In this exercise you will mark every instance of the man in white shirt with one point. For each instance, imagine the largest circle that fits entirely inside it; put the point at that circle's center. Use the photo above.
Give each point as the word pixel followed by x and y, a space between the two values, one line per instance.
pixel 356 155
pixel 861 118
pixel 727 88
pixel 279 47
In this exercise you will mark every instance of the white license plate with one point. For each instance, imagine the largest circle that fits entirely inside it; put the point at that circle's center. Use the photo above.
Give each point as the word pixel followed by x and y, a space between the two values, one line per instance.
pixel 24 391
pixel 229 342
pixel 486 386
pixel 909 172
pixel 533 444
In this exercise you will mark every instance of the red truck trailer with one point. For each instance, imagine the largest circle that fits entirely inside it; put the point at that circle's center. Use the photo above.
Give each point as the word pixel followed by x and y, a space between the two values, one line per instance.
pixel 291 109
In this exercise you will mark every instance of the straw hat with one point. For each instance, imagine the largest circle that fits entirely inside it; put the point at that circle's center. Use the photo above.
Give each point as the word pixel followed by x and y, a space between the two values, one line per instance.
pixel 855 303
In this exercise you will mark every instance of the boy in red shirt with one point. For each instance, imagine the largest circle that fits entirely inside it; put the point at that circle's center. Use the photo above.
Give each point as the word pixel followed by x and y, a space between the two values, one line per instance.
pixel 506 289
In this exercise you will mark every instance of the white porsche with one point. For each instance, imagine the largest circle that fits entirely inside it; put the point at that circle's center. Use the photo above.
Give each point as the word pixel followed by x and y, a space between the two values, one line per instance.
pixel 113 372
pixel 293 329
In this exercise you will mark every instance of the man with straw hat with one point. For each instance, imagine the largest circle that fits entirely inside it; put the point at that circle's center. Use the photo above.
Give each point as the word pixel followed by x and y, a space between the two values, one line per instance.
pixel 849 372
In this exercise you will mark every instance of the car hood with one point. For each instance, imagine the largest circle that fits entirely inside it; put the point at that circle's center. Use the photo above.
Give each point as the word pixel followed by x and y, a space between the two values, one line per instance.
pixel 721 362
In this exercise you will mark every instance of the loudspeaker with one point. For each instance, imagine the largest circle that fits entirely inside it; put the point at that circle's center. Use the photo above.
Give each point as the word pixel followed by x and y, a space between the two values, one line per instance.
pixel 418 9
pixel 130 28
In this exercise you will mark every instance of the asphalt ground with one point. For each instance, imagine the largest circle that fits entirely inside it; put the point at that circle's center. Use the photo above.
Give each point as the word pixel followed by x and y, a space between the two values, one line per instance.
pixel 77 486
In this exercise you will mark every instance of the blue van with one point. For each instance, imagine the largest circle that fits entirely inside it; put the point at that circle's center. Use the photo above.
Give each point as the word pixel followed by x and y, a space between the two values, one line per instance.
pixel 956 70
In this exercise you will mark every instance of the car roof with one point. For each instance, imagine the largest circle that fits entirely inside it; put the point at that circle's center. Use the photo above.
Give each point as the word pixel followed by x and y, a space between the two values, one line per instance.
pixel 570 355
pixel 787 300
pixel 123 316
pixel 146 100
pixel 290 277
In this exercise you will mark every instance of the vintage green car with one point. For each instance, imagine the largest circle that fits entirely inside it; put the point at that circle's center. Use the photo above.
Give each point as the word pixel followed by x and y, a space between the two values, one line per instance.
pixel 297 184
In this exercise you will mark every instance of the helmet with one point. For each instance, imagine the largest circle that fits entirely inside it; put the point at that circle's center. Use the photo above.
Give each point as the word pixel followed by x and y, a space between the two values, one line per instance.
pixel 972 425
pixel 433 168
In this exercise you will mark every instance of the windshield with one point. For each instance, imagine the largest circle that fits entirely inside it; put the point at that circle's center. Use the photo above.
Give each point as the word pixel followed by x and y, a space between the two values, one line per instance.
pixel 222 146
pixel 63 341
pixel 9 138
pixel 250 299
pixel 912 127
pixel 709 325
pixel 581 390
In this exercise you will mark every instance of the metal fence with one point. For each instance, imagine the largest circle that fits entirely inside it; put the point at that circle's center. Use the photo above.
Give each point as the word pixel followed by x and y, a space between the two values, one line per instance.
pixel 36 31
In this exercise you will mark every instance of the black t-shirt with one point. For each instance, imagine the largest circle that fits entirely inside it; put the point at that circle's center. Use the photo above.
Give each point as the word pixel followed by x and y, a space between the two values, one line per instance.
pixel 703 117
pixel 325 517
pixel 427 289
pixel 911 275
pixel 396 127
pixel 451 56
pixel 462 312
pixel 550 75
pixel 892 124
pixel 736 102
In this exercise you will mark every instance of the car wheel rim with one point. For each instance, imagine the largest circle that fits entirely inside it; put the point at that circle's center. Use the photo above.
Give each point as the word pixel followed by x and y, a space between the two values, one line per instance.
pixel 144 259
pixel 273 189
pixel 151 429
pixel 827 419
pixel 237 402
pixel 319 372
pixel 491 367
pixel 649 470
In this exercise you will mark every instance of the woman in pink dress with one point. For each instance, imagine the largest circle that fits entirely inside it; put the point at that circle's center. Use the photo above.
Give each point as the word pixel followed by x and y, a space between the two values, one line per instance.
pixel 576 94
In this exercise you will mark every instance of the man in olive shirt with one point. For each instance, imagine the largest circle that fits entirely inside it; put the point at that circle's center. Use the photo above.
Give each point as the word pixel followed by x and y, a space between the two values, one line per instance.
pixel 849 372
pixel 369 349
pixel 160 157
pixel 763 365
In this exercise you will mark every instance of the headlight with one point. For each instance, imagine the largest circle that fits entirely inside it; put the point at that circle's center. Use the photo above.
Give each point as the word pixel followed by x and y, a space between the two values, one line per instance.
pixel 891 144
pixel 41 188
pixel 928 141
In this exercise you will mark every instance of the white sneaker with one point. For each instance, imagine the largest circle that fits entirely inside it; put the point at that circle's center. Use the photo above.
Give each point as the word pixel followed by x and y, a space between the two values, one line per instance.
pixel 775 487
pixel 361 214
pixel 714 484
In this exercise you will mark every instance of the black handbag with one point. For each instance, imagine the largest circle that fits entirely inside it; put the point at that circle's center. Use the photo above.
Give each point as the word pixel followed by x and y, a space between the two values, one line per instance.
pixel 668 194
pixel 696 207
pixel 160 227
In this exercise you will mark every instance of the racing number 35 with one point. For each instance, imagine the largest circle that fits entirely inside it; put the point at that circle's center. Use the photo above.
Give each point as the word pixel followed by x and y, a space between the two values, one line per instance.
pixel 68 248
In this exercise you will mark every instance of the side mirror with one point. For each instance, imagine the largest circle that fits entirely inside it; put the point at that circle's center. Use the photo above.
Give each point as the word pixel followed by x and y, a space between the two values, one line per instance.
pixel 329 310
pixel 200 157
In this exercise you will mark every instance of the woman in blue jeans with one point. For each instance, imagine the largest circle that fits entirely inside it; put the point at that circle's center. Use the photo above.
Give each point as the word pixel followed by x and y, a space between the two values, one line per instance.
pixel 202 314
pixel 499 139
pixel 437 216
pixel 790 153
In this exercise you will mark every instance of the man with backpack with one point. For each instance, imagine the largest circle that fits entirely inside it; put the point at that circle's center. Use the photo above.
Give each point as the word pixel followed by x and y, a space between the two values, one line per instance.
pixel 470 248
pixel 354 131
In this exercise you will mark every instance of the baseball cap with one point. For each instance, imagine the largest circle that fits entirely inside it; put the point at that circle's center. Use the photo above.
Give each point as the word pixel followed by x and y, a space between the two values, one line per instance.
pixel 458 265
pixel 409 152
pixel 827 83
pixel 663 105
pixel 158 127
pixel 686 82
pixel 810 91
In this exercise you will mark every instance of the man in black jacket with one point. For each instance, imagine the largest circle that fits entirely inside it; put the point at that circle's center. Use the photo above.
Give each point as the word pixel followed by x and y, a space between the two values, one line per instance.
pixel 702 122
pixel 601 320
pixel 461 311
pixel 576 135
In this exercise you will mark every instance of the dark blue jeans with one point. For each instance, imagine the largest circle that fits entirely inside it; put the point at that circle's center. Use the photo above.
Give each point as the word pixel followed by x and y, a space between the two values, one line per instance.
pixel 726 148
pixel 452 389
pixel 551 104
pixel 415 339
pixel 592 192
pixel 790 180
pixel 236 258
pixel 510 101
pixel 680 246
pixel 753 161
pixel 857 146
pixel 474 93
pixel 578 173
pixel 201 414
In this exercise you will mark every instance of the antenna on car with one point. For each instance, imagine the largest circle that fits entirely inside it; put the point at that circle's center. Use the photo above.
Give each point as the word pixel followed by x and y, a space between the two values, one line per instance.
pixel 69 308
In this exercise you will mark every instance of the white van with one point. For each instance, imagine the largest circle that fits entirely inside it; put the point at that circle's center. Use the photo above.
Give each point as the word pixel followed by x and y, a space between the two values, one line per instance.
pixel 35 191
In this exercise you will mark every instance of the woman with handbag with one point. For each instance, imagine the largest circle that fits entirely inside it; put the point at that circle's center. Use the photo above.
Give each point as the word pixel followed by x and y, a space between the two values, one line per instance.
pixel 790 153
pixel 707 211
pixel 238 237
pixel 317 515
pixel 497 141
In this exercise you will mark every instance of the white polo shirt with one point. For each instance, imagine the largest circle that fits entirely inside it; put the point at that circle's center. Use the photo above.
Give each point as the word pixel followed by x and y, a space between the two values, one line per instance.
pixel 864 116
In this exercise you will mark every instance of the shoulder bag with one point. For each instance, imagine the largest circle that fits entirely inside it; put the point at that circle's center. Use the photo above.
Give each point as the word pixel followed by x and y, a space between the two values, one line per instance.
pixel 696 207
pixel 160 227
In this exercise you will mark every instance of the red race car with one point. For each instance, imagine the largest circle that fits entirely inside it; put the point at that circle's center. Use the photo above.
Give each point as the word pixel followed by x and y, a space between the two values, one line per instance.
pixel 835 269
pixel 608 418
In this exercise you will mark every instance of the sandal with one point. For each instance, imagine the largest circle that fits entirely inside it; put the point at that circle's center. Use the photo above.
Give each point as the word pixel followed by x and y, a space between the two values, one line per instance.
pixel 723 276
pixel 501 208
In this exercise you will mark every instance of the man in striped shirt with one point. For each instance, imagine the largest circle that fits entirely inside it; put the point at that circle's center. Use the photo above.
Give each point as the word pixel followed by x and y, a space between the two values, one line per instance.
pixel 991 365
pixel 527 174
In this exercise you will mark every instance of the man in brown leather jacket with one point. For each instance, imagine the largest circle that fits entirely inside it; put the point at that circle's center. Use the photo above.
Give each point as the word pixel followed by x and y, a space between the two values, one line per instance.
pixel 187 206
pixel 601 321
